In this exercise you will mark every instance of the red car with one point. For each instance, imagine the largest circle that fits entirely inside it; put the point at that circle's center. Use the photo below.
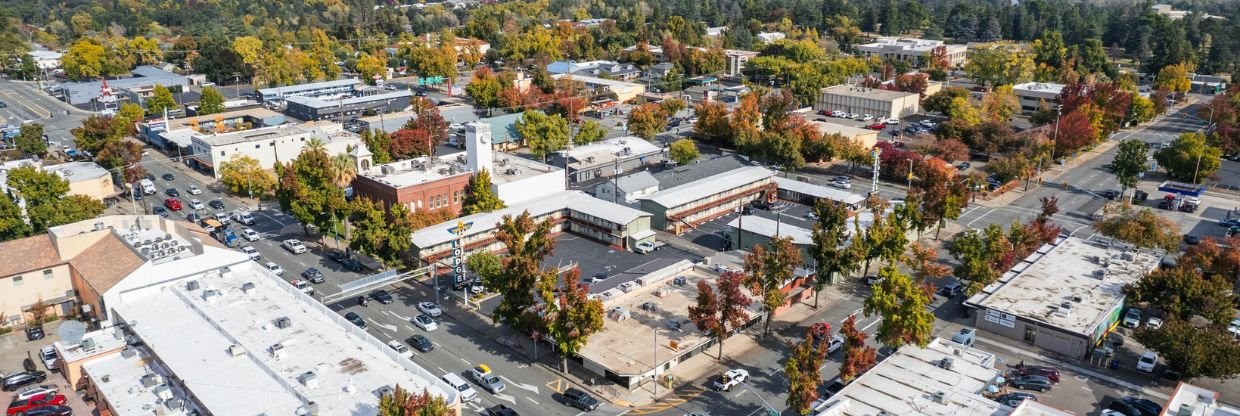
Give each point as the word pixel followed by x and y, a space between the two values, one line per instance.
pixel 876 126
pixel 824 112
pixel 173 204
pixel 45 399
pixel 1032 370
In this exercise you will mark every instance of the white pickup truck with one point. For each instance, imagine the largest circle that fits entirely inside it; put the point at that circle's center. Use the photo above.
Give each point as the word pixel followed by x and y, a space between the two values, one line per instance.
pixel 147 186
pixel 647 247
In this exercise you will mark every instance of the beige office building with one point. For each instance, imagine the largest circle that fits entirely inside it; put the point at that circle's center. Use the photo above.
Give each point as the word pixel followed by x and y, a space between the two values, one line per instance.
pixel 880 103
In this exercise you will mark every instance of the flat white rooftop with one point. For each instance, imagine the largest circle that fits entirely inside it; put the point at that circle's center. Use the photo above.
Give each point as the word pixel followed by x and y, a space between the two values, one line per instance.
pixel 508 168
pixel 901 44
pixel 1048 89
pixel 92 344
pixel 607 151
pixel 1088 277
pixel 484 222
pixel 1192 400
pixel 225 337
pixel 864 92
pixel 134 383
pixel 325 131
pixel 307 87
pixel 818 191
pixel 410 172
pixel 319 103
pixel 705 187
pixel 907 383
pixel 76 171
pixel 767 227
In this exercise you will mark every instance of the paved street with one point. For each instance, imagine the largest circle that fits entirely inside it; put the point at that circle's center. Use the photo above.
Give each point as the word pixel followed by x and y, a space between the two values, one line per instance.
pixel 27 103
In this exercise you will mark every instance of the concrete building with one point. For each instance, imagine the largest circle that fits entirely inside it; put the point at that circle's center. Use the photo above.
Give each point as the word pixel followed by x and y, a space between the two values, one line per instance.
pixel 747 231
pixel 736 61
pixel 627 188
pixel 880 103
pixel 86 179
pixel 202 329
pixel 1192 400
pixel 624 91
pixel 944 378
pixel 607 158
pixel 1033 95
pixel 622 351
pixel 315 108
pixel 768 37
pixel 275 144
pixel 679 208
pixel 314 89
pixel 611 224
pixel 913 50
pixel 1063 298
pixel 174 133
pixel 143 79
pixel 868 138
pixel 609 69
pixel 45 59
pixel 809 194
pixel 33 271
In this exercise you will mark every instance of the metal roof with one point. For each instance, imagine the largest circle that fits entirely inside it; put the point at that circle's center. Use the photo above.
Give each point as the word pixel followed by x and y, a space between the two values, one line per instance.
pixel 693 191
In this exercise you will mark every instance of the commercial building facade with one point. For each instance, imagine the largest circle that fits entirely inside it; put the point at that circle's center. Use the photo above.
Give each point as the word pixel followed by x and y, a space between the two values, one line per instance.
pixel 1034 95
pixel 314 89
pixel 624 90
pixel 682 207
pixel 86 178
pixel 158 132
pixel 913 50
pixel 143 79
pixel 275 144
pixel 607 158
pixel 627 188
pixel 313 108
pixel 868 138
pixel 1065 297
pixel 880 103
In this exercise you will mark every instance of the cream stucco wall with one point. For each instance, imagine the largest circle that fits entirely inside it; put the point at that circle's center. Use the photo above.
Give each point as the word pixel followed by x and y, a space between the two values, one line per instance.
pixel 22 290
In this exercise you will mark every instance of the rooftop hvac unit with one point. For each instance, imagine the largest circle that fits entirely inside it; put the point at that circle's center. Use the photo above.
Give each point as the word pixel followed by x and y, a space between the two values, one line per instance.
pixel 235 350
pixel 283 322
pixel 151 380
pixel 939 397
pixel 309 379
pixel 946 363
pixel 680 281
pixel 1100 273
pixel 1077 298
pixel 247 287
pixel 129 352
pixel 650 307
pixel 87 344
pixel 663 292
pixel 589 159
pixel 386 170
pixel 175 404
pixel 146 252
pixel 277 351
pixel 163 392
pixel 210 295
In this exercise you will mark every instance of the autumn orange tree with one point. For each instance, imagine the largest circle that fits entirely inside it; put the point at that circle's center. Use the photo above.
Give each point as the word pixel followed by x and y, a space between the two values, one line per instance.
pixel 858 357
pixel 569 317
pixel 712 123
pixel 401 402
pixel 721 310
pixel 769 270
pixel 804 369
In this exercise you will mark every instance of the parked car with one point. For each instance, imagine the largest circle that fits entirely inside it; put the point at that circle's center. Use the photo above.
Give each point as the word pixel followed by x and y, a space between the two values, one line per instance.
pixel 383 297
pixel 500 410
pixel 313 275
pixel 1033 382
pixel 892 121
pixel 1110 194
pixel 196 204
pixel 730 378
pixel 294 246
pixel 20 407
pixel 430 308
pixel 249 235
pixel 17 380
pixel 866 117
pixel 1147 362
pixel 873 280
pixel 951 290
pixel 580 399
pixel 274 268
pixel 31 391
pixel 47 354
pixel 425 322
pixel 355 319
pixel 169 177
pixel 52 410
pixel 160 211
pixel 172 204
pixel 34 333
pixel 1132 319
pixel 963 166
pixel 1153 323
pixel 1050 373
pixel 172 192
pixel 400 349
pixel 1191 240
pixel 1014 399
pixel 252 252
pixel 421 343
pixel 834 344
pixel 1132 406
pixel 482 375
pixel 840 184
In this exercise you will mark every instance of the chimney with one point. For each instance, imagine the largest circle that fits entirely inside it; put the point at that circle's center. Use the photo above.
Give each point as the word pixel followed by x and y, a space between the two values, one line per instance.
pixel 478 146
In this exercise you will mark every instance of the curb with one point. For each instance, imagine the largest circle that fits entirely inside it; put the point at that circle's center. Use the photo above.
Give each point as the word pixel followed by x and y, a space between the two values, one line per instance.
pixel 1078 369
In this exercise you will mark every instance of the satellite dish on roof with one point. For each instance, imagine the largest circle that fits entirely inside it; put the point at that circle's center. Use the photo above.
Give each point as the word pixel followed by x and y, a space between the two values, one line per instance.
pixel 71 332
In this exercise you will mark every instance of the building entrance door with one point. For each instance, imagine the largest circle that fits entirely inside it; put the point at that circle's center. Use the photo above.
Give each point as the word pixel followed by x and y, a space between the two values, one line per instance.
pixel 1031 333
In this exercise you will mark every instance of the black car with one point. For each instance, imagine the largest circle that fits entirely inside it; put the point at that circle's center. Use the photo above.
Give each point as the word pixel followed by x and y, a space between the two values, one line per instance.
pixel 18 380
pixel 420 343
pixel 383 297
pixel 193 217
pixel 34 333
pixel 1110 195
pixel 215 203
pixel 1192 240
pixel 3 104
pixel 1014 399
pixel 173 192
pixel 351 264
pixel 963 166
pixel 580 399
pixel 168 177
pixel 160 211
pixel 51 410
pixel 501 410
pixel 136 195
pixel 1033 382
pixel 149 176
pixel 1132 406
pixel 951 290
pixel 313 275
pixel 356 319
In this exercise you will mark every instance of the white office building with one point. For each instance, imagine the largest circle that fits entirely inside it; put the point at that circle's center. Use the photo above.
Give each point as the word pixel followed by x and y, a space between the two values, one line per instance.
pixel 915 51
pixel 269 145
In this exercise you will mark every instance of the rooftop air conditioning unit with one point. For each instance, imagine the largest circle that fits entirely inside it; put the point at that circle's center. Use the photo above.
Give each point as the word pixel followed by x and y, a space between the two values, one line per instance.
pixel 277 351
pixel 87 344
pixel 946 363
pixel 235 350
pixel 129 352
pixel 939 397
pixel 192 285
pixel 151 380
pixel 247 287
pixel 210 295
pixel 283 322
pixel 163 392
pixel 309 379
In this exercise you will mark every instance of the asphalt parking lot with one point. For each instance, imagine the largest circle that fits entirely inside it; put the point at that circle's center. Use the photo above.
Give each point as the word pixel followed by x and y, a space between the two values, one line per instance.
pixel 14 349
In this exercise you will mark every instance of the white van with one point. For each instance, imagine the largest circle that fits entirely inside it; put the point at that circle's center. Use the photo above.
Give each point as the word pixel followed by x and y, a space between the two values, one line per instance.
pixel 467 392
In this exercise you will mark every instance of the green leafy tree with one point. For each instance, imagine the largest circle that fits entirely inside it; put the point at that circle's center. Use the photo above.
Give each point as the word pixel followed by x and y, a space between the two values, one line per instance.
pixel 307 188
pixel 47 202
pixel 589 132
pixel 570 317
pixel 67 210
pixel 858 357
pixel 940 101
pixel 395 248
pixel 96 132
pixel 1128 163
pixel 370 226
pixel 683 151
pixel 211 102
pixel 1143 228
pixel 1000 65
pixel 371 66
pixel 527 243
pixel 831 252
pixel 902 303
pixel 12 223
pixel 131 112
pixel 974 252
pixel 543 133
pixel 484 88
pixel 769 270
pixel 1174 78
pixel 486 265
pixel 648 120
pixel 1184 292
pixel 378 142
pixel 804 371
pixel 478 195
pixel 30 141
pixel 721 310
pixel 242 175
pixel 1194 351
pixel 1190 157
pixel 961 109
pixel 401 402
pixel 161 99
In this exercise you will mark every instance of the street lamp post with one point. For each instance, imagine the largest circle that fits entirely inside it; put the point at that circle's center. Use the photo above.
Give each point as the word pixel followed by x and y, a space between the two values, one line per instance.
pixel 1055 138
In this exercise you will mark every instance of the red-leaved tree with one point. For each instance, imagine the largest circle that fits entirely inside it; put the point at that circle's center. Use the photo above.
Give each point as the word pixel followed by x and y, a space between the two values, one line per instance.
pixel 1074 133
pixel 722 309
pixel 858 357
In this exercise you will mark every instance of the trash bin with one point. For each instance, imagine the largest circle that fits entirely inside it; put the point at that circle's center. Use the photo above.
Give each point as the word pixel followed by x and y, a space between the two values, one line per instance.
pixel 1114 364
